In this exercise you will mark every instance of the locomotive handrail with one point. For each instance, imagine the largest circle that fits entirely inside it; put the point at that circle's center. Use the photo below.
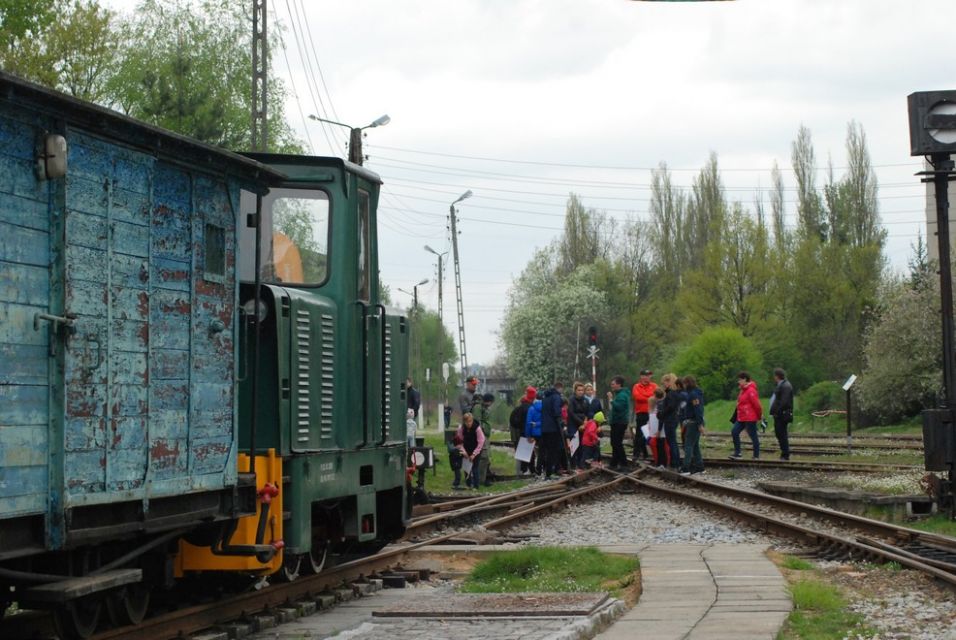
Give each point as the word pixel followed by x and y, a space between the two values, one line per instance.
pixel 364 308
pixel 382 312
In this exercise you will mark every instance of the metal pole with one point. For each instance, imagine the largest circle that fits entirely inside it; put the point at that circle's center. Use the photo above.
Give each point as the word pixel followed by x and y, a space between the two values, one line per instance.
pixel 441 337
pixel 943 166
pixel 849 433
pixel 577 351
pixel 461 307
pixel 942 171
pixel 355 146
pixel 260 67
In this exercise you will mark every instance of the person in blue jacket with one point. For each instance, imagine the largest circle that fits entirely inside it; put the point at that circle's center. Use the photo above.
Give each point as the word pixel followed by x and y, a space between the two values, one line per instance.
pixel 532 431
pixel 693 426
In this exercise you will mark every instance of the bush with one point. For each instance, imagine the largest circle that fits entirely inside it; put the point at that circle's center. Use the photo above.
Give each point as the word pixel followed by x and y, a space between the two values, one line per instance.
pixel 823 396
pixel 715 357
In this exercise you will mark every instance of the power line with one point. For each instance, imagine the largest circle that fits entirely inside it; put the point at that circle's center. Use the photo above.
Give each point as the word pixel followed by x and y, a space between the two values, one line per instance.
pixel 544 179
pixel 611 167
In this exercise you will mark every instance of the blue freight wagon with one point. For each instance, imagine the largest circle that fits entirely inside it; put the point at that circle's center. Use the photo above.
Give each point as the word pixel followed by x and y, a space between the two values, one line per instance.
pixel 197 375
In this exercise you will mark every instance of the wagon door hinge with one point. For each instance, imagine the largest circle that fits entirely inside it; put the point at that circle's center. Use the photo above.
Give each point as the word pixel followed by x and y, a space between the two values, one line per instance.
pixel 63 326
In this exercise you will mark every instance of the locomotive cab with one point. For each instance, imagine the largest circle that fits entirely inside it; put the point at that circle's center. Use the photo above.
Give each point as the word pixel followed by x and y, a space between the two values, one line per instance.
pixel 322 363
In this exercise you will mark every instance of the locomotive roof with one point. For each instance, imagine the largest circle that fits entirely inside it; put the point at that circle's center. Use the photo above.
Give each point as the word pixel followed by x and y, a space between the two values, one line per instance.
pixel 139 134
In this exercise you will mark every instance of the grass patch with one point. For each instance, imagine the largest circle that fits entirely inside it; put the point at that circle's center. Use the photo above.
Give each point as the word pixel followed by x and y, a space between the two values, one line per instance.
pixel 819 614
pixel 795 563
pixel 551 569
pixel 940 523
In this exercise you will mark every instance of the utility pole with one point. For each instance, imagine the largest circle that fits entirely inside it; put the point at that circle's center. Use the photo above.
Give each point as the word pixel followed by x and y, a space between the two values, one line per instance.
pixel 260 67
pixel 441 341
pixel 461 307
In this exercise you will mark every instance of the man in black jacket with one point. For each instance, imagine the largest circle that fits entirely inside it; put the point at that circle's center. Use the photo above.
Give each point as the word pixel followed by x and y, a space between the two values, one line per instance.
pixel 413 397
pixel 781 408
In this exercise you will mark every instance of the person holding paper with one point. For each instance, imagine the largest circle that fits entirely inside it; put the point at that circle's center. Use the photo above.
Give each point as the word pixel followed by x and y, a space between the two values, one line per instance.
pixel 516 422
pixel 472 442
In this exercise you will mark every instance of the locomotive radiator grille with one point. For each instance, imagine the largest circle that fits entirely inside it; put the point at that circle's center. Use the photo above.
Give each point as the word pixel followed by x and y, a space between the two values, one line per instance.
pixel 327 393
pixel 388 379
pixel 303 333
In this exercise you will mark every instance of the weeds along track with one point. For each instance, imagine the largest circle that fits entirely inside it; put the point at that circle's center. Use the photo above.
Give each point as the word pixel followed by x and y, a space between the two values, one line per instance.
pixel 831 534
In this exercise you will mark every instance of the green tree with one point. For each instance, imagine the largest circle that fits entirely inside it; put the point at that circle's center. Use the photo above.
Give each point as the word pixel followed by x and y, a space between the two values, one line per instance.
pixel 187 68
pixel 902 371
pixel 715 357
pixel 426 333
pixel 732 285
pixel 75 52
pixel 810 213
pixel 539 333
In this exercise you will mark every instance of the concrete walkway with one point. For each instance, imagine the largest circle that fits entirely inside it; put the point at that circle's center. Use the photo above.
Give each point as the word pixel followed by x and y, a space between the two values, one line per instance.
pixel 705 592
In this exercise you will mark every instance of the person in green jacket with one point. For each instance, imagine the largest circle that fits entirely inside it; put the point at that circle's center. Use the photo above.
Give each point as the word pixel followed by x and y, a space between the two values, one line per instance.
pixel 618 398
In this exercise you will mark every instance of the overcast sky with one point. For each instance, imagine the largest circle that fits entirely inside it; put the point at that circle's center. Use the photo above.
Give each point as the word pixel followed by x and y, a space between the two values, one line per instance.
pixel 526 88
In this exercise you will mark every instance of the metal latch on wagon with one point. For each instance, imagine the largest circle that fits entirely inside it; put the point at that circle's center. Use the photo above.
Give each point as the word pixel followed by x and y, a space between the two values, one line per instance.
pixel 61 326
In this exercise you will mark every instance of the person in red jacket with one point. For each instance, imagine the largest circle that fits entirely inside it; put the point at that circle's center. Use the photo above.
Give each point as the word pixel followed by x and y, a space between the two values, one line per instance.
pixel 641 392
pixel 748 413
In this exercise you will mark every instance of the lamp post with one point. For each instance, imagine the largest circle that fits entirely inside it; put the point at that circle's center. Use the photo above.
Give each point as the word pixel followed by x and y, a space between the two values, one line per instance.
pixel 461 307
pixel 414 294
pixel 355 135
pixel 441 353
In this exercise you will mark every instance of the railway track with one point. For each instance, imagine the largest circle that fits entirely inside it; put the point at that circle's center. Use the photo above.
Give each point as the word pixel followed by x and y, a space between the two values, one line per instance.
pixel 864 538
pixel 810 465
pixel 309 592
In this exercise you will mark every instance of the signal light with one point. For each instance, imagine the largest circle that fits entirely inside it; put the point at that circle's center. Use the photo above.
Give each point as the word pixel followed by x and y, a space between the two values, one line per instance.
pixel 592 336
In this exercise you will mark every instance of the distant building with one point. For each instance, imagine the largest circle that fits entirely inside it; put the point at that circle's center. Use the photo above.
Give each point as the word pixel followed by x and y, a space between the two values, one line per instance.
pixel 496 380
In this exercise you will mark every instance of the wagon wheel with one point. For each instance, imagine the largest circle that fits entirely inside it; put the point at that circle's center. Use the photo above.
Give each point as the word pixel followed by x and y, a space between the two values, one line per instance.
pixel 77 619
pixel 128 606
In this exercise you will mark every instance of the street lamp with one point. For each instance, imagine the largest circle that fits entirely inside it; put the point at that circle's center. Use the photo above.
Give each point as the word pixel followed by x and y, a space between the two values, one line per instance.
pixel 355 135
pixel 461 308
pixel 414 294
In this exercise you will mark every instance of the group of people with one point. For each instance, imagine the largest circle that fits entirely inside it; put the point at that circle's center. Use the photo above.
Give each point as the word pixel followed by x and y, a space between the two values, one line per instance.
pixel 565 432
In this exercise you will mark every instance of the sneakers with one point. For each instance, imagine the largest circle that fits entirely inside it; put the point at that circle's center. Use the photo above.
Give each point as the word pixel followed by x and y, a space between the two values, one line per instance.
pixel 660 467
pixel 735 456
pixel 685 473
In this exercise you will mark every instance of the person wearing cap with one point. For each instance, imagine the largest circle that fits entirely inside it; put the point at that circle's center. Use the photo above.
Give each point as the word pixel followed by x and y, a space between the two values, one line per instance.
pixel 516 422
pixel 468 401
pixel 641 392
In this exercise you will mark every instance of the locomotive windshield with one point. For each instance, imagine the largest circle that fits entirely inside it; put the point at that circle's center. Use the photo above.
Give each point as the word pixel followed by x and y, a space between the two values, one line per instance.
pixel 295 238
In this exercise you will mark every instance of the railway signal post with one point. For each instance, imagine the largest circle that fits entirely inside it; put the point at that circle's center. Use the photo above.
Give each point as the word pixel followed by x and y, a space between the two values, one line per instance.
pixel 932 116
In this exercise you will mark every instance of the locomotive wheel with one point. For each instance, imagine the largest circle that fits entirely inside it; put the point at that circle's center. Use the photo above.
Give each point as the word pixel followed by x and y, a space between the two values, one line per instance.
pixel 317 558
pixel 128 606
pixel 77 619
pixel 291 567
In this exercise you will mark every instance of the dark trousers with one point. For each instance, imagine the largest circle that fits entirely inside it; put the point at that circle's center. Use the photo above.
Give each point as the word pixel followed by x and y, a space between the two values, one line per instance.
pixel 780 427
pixel 670 434
pixel 693 460
pixel 751 429
pixel 618 456
pixel 551 444
pixel 640 442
